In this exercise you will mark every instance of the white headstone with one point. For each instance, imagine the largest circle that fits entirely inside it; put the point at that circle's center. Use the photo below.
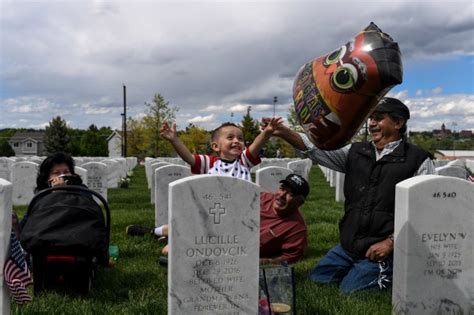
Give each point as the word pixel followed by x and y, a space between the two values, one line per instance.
pixel 113 172
pixel 82 172
pixel 163 176
pixel 123 170
pixel 457 162
pixel 332 178
pixel 153 167
pixel 24 182
pixel 6 190
pixel 470 165
pixel 453 171
pixel 340 178
pixel 6 168
pixel 439 163
pixel 300 167
pixel 434 243
pixel 148 162
pixel 269 177
pixel 214 246
pixel 97 177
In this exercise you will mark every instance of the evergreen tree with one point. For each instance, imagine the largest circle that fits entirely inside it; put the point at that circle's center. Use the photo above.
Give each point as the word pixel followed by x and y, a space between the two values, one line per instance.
pixel 5 148
pixel 57 137
pixel 74 146
pixel 93 143
pixel 250 127
pixel 159 111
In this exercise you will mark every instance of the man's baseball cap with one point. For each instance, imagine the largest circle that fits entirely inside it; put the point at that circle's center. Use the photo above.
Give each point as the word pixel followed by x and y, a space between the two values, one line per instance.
pixel 297 184
pixel 393 105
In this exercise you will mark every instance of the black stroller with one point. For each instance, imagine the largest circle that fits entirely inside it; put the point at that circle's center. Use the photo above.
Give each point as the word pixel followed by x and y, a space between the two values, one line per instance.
pixel 67 237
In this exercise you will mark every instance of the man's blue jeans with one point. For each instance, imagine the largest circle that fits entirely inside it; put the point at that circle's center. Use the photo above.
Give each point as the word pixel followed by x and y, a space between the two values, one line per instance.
pixel 352 274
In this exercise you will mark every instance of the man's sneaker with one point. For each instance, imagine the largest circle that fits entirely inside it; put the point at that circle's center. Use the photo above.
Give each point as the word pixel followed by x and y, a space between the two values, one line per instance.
pixel 163 239
pixel 138 230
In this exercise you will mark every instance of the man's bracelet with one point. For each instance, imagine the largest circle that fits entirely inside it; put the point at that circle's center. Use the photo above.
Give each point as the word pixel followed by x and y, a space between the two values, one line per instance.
pixel 390 237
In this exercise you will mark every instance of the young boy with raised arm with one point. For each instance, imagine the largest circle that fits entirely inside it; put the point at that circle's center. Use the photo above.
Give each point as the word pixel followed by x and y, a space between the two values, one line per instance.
pixel 231 159
pixel 227 141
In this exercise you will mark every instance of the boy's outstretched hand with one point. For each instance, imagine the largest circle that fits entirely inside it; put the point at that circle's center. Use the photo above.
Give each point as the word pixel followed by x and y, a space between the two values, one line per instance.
pixel 167 132
pixel 271 124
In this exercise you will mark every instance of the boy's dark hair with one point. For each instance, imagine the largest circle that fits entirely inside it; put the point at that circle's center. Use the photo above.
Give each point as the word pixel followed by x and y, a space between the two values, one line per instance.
pixel 215 132
pixel 47 165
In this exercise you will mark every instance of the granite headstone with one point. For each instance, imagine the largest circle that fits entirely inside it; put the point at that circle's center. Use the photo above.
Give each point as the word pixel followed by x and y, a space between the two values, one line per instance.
pixel 214 246
pixel 434 243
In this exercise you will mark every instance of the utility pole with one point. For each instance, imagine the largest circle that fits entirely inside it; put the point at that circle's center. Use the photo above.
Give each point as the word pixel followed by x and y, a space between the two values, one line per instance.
pixel 124 128
pixel 275 100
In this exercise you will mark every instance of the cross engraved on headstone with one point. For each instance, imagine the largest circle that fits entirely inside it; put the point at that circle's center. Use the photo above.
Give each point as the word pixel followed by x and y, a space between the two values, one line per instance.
pixel 217 211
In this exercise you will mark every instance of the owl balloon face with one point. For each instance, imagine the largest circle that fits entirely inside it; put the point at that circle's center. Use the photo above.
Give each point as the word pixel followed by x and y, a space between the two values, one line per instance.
pixel 334 94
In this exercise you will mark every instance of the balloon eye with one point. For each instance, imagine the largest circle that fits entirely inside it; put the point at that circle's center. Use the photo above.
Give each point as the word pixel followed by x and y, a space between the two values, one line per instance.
pixel 335 56
pixel 344 78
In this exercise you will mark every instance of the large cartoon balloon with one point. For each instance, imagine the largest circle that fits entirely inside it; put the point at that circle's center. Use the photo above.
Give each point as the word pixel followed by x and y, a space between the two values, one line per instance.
pixel 334 94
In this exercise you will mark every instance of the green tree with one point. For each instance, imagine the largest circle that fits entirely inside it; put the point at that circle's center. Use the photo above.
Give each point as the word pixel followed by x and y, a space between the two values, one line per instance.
pixel 159 111
pixel 5 148
pixel 196 139
pixel 93 143
pixel 250 127
pixel 75 144
pixel 57 136
pixel 293 120
pixel 136 135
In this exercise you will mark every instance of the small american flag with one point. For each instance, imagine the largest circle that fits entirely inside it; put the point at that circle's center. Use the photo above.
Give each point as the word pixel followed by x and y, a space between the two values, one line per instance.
pixel 16 272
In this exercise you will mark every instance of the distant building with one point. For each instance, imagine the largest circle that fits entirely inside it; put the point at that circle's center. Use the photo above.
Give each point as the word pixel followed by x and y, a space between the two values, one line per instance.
pixel 28 143
pixel 441 133
pixel 465 134
pixel 114 143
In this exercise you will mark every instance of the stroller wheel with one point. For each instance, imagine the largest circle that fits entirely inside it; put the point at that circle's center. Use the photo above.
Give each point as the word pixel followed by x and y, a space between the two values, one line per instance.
pixel 85 285
pixel 38 281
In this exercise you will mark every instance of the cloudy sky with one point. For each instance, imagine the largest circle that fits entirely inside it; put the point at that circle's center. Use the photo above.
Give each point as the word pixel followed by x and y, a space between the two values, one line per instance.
pixel 213 59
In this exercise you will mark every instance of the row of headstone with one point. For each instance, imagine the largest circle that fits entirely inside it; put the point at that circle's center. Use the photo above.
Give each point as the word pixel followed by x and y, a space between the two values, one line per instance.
pixel 434 246
pixel 6 190
pixel 98 174
pixel 455 168
pixel 336 180
pixel 298 166
pixel 305 166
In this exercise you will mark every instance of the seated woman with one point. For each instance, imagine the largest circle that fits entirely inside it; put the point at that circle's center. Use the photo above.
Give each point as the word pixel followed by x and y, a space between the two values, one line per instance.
pixel 56 170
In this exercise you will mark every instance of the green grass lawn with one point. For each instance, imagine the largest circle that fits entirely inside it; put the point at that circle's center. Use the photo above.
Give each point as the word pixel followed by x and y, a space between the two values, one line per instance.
pixel 138 285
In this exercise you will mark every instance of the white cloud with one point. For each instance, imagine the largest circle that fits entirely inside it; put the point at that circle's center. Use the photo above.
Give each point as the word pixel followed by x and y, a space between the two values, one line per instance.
pixel 73 64
pixel 90 109
pixel 402 95
pixel 430 113
pixel 212 108
pixel 437 90
pixel 239 108
pixel 201 119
